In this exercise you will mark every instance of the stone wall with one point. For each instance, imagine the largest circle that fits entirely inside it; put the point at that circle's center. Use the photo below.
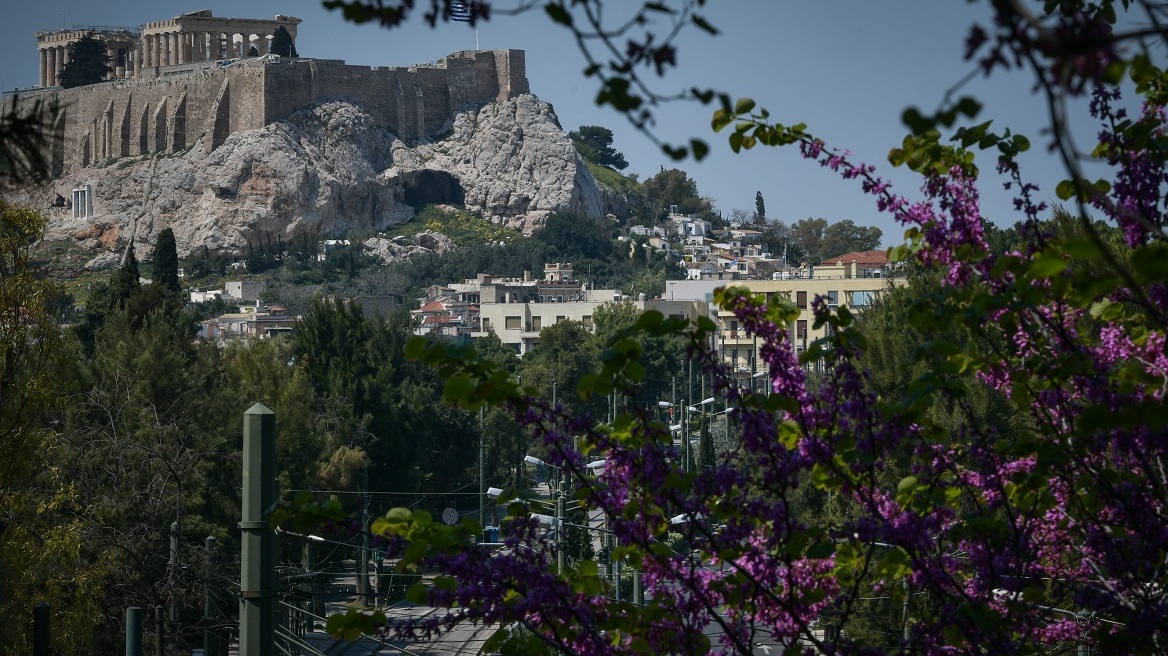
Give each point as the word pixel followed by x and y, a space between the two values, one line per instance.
pixel 130 118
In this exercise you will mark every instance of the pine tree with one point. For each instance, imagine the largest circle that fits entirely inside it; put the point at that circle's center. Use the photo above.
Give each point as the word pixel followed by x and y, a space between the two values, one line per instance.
pixel 759 208
pixel 282 43
pixel 125 281
pixel 88 62
pixel 705 446
pixel 166 261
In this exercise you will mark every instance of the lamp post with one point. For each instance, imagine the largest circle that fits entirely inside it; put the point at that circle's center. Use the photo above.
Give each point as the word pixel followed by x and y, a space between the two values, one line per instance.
pixel 687 414
pixel 532 460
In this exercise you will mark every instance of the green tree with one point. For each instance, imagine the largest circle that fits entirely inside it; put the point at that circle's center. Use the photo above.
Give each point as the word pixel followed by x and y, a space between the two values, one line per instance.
pixel 847 237
pixel 807 234
pixel 384 408
pixel 282 43
pixel 675 187
pixel 759 208
pixel 126 280
pixel 595 145
pixel 88 62
pixel 706 458
pixel 565 354
pixel 166 261
pixel 149 438
pixel 576 236
pixel 41 530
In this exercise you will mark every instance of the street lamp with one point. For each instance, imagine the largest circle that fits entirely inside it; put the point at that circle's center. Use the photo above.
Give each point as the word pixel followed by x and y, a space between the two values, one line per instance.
pixel 532 460
pixel 687 412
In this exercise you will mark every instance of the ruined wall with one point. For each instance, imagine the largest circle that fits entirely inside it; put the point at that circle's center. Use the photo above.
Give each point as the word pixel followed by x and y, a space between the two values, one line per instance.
pixel 131 118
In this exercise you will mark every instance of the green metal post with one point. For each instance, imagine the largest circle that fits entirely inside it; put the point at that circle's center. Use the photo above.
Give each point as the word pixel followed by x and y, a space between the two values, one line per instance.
pixel 159 631
pixel 257 606
pixel 210 619
pixel 134 631
pixel 40 629
pixel 174 596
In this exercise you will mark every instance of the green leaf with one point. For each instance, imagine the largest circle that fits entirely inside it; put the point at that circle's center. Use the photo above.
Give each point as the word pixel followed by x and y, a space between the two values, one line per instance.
pixel 703 25
pixel 700 149
pixel 457 389
pixel 418 593
pixel 559 14
pixel 1065 190
pixel 743 106
pixel 1048 265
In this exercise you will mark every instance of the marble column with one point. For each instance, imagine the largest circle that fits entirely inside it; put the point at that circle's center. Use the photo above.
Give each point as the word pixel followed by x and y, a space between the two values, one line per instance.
pixel 159 49
pixel 262 44
pixel 57 64
pixel 54 72
pixel 113 63
pixel 44 68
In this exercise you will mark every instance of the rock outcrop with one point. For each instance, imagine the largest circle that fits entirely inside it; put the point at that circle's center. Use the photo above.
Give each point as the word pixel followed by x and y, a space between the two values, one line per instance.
pixel 330 170
pixel 390 250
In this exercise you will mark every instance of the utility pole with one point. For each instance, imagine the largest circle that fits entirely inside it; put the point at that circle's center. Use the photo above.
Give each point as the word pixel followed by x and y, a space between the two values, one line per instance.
pixel 685 424
pixel 482 472
pixel 363 555
pixel 257 605
pixel 560 543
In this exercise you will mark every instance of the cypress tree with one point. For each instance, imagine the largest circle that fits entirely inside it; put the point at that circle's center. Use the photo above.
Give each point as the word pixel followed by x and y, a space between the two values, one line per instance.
pixel 166 261
pixel 125 281
pixel 88 62
pixel 282 43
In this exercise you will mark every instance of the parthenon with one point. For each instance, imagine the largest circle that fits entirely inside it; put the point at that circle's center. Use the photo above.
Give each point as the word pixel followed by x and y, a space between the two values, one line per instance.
pixel 143 52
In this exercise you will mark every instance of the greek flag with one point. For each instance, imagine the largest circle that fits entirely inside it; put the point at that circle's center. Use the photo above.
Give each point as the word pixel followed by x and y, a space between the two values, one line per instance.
pixel 460 12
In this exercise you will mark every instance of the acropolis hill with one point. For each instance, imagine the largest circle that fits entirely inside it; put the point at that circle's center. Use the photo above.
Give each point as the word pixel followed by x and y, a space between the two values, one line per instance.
pixel 189 133
pixel 181 88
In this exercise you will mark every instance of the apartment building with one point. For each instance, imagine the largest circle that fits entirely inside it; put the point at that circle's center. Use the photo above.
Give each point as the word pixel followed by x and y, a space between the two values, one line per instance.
pixel 853 280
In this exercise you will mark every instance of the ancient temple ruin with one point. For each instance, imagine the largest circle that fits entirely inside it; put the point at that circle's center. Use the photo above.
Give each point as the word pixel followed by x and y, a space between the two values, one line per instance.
pixel 163 47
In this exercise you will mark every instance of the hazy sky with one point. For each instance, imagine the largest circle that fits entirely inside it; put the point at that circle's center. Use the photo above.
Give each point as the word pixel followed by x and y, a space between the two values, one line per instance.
pixel 847 69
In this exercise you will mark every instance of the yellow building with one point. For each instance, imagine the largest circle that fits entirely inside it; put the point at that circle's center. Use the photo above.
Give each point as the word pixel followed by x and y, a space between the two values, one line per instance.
pixel 854 280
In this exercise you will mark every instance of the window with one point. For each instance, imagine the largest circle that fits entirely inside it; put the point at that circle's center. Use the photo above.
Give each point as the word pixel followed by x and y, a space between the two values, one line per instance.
pixel 486 324
pixel 863 299
pixel 560 318
pixel 587 320
pixel 801 299
pixel 537 323
pixel 801 329
pixel 833 299
pixel 512 323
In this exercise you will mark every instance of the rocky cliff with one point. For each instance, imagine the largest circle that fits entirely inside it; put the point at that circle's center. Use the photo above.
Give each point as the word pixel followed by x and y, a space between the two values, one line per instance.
pixel 331 170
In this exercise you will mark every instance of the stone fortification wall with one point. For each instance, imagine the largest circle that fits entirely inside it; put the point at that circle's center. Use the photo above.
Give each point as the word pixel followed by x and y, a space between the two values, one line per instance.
pixel 131 118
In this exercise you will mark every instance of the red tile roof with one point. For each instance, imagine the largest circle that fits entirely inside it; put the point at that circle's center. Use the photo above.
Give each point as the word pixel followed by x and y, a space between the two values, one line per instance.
pixel 864 258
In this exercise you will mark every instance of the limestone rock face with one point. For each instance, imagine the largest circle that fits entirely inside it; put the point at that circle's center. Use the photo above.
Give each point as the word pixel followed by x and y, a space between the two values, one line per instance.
pixel 331 171
pixel 389 250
